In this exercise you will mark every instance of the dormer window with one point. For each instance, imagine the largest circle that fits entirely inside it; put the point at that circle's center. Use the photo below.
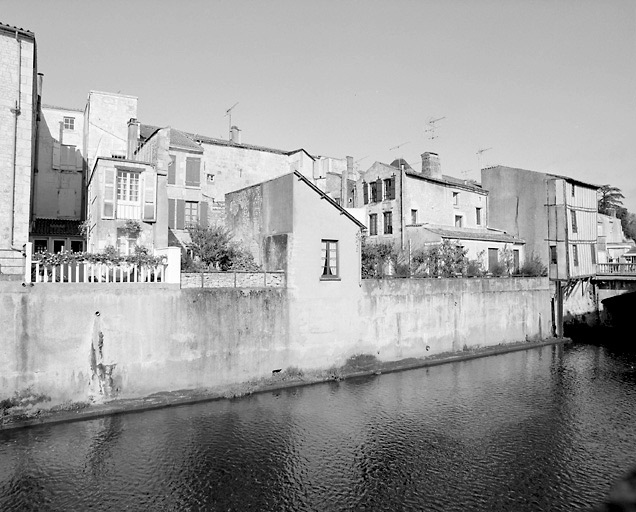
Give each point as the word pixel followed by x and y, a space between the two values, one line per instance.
pixel 69 123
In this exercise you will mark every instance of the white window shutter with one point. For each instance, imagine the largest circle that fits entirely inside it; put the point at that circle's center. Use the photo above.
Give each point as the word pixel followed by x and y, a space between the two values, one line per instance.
pixel 150 196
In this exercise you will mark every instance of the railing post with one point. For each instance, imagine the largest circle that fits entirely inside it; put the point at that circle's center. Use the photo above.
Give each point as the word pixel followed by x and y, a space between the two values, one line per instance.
pixel 28 250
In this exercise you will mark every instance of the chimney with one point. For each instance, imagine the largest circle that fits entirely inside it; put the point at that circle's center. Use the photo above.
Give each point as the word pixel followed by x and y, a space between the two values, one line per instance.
pixel 344 183
pixel 133 138
pixel 235 135
pixel 611 212
pixel 431 166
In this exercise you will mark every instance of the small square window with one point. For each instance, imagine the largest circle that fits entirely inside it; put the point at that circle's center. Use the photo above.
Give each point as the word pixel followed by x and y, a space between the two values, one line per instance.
pixel 329 258
pixel 69 123
pixel 413 216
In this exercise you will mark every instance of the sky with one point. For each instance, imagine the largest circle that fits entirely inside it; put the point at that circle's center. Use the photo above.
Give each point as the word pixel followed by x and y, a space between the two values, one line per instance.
pixel 545 85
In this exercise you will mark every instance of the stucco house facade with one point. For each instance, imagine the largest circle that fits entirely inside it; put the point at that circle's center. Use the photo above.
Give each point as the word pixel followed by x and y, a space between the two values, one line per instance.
pixel 612 243
pixel 289 224
pixel 19 106
pixel 415 209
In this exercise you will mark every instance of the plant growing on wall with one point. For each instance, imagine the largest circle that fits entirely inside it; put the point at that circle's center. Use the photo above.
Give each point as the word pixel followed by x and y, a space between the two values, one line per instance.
pixel 375 257
pixel 214 247
pixel 132 228
pixel 533 267
pixel 108 256
pixel 446 259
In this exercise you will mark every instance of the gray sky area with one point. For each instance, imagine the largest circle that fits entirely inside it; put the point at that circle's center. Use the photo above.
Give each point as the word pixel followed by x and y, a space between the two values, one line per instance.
pixel 548 85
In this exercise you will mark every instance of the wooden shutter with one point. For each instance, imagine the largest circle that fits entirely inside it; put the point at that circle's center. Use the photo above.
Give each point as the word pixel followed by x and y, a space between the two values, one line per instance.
pixel 171 213
pixel 392 189
pixel 172 170
pixel 365 191
pixel 378 184
pixel 109 189
pixel 150 197
pixel 193 172
pixel 180 214
pixel 56 155
pixel 203 214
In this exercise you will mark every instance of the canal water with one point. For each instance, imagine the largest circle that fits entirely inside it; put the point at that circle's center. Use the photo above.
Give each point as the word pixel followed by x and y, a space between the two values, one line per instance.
pixel 545 429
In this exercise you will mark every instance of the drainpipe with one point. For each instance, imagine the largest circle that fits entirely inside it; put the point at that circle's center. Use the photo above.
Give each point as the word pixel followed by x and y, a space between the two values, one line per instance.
pixel 16 111
pixel 401 198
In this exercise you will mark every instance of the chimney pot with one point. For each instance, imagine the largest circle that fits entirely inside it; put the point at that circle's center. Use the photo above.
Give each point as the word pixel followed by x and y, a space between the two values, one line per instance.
pixel 235 135
pixel 133 138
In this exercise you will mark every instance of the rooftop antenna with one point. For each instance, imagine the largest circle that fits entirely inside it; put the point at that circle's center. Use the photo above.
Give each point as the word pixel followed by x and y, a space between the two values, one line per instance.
pixel 432 127
pixel 479 152
pixel 399 145
pixel 228 113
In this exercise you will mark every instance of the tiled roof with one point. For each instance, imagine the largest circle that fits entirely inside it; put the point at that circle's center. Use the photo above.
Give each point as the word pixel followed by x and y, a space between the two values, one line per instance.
pixel 146 131
pixel 487 234
pixel 55 107
pixel 48 227
pixel 449 180
pixel 177 137
pixel 11 28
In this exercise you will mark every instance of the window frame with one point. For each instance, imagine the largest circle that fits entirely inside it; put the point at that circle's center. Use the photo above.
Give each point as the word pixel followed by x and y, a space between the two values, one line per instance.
pixel 575 255
pixel 373 224
pixel 413 216
pixel 575 228
pixel 187 215
pixel 460 218
pixel 387 221
pixel 478 219
pixel 455 198
pixel 68 123
pixel 553 255
pixel 326 246
pixel 593 252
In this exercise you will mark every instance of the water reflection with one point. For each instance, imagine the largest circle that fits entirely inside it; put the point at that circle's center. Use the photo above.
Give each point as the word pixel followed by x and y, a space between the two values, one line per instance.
pixel 545 429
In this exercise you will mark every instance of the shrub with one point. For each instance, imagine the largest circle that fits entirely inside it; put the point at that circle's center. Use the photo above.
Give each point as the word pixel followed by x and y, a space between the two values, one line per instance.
pixel 446 259
pixel 533 267
pixel 213 247
pixel 375 255
pixel 474 268
pixel 499 269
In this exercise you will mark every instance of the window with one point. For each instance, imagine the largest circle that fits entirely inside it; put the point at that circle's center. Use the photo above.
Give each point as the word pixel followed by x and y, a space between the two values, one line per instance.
pixel 127 186
pixel 329 259
pixel 493 258
pixel 478 216
pixel 125 243
pixel 375 193
pixel 413 216
pixel 573 190
pixel 389 188
pixel 191 213
pixel 515 260
pixel 458 221
pixel 58 246
pixel 193 172
pixel 365 192
pixel 574 227
pixel 553 255
pixel 373 224
pixel 388 223
pixel 77 245
pixel 455 198
pixel 593 249
pixel 575 255
pixel 69 123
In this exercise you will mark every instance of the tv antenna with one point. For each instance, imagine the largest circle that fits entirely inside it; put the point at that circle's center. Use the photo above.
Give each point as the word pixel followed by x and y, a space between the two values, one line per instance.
pixel 399 145
pixel 228 113
pixel 432 126
pixel 479 153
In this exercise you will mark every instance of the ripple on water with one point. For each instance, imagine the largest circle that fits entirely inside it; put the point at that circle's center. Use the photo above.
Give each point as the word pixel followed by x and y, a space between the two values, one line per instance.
pixel 546 429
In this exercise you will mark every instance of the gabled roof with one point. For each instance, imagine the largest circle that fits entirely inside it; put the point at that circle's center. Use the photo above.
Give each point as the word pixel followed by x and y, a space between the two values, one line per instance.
pixel 487 234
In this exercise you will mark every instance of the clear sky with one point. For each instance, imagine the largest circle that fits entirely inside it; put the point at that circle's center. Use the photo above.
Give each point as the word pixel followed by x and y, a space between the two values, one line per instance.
pixel 549 85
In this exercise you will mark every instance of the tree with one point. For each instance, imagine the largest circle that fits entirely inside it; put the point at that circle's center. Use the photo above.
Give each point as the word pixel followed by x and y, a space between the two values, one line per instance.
pixel 375 255
pixel 213 246
pixel 446 259
pixel 610 198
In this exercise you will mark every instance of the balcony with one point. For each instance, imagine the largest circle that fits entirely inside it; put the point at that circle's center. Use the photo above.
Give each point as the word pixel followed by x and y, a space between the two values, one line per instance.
pixel 616 269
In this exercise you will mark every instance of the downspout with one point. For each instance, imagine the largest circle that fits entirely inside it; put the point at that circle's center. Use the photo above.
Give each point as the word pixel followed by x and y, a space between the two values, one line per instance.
pixel 16 111
pixel 402 207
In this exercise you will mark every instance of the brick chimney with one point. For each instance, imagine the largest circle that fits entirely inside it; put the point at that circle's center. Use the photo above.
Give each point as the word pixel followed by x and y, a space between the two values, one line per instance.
pixel 133 138
pixel 235 135
pixel 344 183
pixel 431 166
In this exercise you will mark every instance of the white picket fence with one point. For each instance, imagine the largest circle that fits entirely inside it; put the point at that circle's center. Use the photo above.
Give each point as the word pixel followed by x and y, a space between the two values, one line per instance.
pixel 85 272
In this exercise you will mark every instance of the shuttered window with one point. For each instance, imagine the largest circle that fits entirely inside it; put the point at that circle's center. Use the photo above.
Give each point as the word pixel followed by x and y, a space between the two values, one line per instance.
pixel 365 192
pixel 150 197
pixel 193 172
pixel 172 212
pixel 389 188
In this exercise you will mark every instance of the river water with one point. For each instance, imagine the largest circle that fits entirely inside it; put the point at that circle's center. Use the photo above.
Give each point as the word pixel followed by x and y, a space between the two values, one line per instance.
pixel 545 429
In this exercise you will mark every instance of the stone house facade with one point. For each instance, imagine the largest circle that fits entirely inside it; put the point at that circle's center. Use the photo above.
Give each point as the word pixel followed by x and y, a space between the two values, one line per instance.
pixel 19 106
pixel 414 209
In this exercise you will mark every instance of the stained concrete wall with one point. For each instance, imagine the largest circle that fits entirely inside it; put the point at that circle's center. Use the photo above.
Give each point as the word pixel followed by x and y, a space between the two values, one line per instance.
pixel 154 337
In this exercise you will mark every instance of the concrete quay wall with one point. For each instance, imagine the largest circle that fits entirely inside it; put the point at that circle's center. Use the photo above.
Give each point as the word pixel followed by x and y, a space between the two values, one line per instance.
pixel 77 341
